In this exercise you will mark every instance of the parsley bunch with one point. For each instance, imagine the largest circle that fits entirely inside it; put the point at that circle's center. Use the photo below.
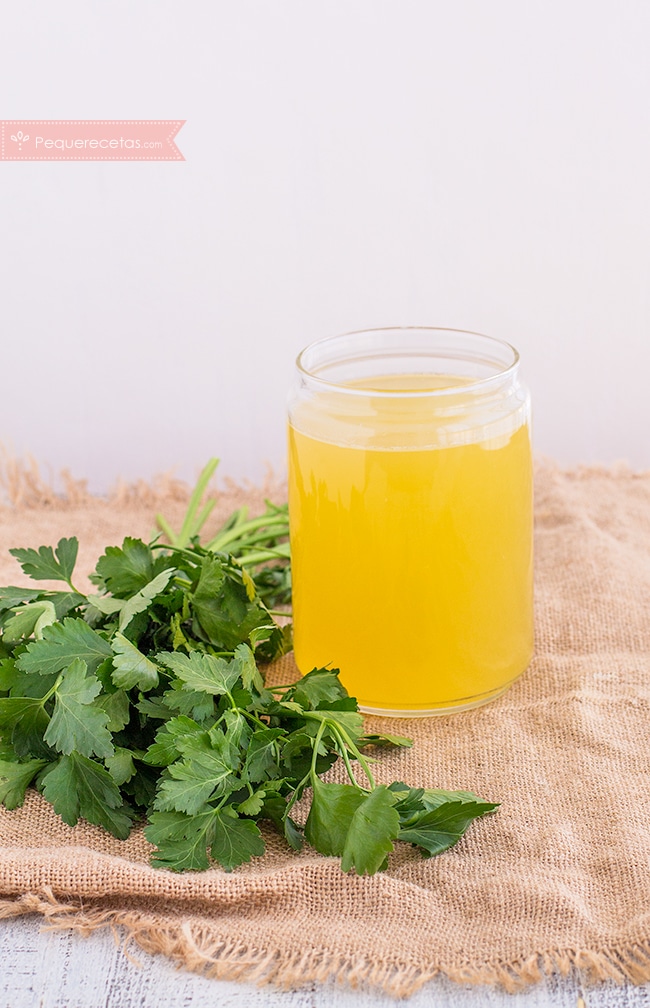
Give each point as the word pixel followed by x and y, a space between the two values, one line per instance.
pixel 144 700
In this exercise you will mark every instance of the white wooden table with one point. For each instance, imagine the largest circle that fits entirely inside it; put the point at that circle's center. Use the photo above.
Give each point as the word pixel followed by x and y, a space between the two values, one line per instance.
pixel 60 969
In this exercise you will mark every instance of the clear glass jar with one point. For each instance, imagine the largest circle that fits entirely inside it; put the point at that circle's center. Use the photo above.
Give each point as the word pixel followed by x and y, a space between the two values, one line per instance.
pixel 410 508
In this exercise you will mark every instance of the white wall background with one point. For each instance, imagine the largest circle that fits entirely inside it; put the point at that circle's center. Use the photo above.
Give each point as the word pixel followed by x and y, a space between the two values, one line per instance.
pixel 350 163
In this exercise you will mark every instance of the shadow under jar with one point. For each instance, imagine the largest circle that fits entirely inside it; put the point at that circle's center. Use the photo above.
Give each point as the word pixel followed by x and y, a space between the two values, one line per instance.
pixel 410 507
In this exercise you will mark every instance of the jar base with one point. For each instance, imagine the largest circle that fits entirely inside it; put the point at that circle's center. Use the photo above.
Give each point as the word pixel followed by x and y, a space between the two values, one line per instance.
pixel 454 707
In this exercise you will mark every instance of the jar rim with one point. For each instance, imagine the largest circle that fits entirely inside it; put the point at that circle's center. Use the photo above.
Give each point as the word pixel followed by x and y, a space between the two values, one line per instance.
pixel 502 373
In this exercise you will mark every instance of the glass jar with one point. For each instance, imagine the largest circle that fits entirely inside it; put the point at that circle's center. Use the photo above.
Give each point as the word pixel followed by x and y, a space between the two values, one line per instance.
pixel 410 509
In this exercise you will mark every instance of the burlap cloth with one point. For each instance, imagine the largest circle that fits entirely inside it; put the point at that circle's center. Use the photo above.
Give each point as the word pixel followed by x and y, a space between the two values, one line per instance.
pixel 557 879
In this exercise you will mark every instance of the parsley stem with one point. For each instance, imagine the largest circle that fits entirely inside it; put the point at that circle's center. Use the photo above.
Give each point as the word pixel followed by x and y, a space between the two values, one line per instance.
pixel 281 552
pixel 166 529
pixel 314 754
pixel 358 756
pixel 297 791
pixel 260 536
pixel 251 717
pixel 194 555
pixel 240 531
pixel 192 523
pixel 343 750
pixel 52 691
pixel 347 739
pixel 204 515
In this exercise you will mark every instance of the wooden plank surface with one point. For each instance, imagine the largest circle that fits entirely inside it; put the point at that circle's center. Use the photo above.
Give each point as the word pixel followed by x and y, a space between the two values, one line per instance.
pixel 60 969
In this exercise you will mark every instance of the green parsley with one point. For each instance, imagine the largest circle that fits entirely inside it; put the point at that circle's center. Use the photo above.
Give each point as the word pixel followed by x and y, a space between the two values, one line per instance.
pixel 145 701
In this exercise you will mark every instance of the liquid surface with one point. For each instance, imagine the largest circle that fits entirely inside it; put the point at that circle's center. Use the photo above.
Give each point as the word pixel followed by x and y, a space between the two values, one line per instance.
pixel 412 569
pixel 409 382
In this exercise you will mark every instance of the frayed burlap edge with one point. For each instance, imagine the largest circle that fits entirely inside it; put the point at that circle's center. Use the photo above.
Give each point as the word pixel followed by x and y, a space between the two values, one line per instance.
pixel 197 949
pixel 621 469
pixel 23 486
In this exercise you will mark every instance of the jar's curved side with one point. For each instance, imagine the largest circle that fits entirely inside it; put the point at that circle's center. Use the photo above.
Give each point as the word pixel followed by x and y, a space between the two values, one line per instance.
pixel 339 360
pixel 409 423
pixel 401 396
pixel 411 538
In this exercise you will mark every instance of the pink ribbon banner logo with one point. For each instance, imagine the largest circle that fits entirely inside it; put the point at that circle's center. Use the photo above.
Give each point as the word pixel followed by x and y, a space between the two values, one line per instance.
pixel 89 139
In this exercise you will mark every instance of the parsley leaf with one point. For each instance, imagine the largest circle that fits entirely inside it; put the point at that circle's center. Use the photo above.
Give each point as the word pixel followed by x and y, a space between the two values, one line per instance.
pixel 358 826
pixel 15 778
pixel 374 826
pixel 126 570
pixel 130 666
pixel 43 565
pixel 63 601
pixel 120 765
pixel 320 686
pixel 61 644
pixel 222 606
pixel 79 787
pixel 76 723
pixel 142 599
pixel 26 721
pixel 29 619
pixel 203 673
pixel 205 772
pixel 117 707
pixel 182 840
pixel 263 754
pixel 330 816
pixel 8 674
pixel 234 841
pixel 436 830
pixel 198 706
pixel 164 750
pixel 11 596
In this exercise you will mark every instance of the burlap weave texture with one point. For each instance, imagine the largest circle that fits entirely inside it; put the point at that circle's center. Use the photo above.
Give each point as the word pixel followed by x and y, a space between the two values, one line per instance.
pixel 558 877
